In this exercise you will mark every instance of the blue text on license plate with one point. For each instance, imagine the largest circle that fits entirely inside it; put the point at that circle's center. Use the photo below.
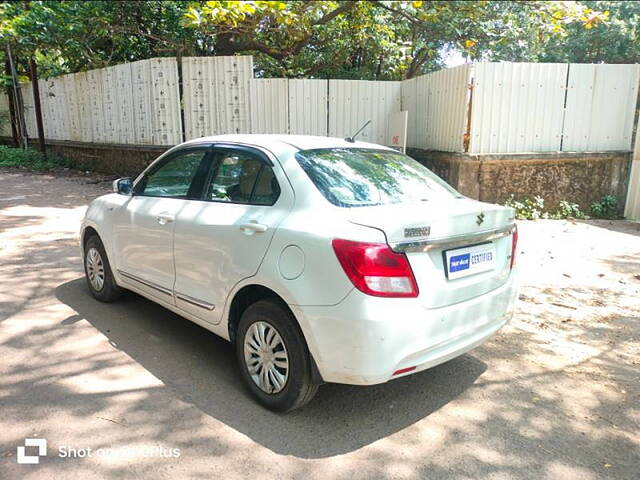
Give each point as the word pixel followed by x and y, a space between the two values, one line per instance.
pixel 465 261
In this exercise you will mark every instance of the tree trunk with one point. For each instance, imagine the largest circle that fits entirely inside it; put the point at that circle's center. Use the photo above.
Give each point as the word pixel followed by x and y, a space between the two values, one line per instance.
pixel 33 74
pixel 12 109
pixel 18 103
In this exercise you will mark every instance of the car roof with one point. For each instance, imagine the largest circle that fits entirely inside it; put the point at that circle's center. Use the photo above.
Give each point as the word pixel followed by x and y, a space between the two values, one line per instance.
pixel 300 142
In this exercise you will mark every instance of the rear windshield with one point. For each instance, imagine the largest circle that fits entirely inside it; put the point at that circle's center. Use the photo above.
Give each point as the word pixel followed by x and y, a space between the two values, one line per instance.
pixel 360 177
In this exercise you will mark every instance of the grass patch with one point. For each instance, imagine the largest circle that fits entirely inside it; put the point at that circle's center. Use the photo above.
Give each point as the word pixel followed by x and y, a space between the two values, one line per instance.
pixel 31 159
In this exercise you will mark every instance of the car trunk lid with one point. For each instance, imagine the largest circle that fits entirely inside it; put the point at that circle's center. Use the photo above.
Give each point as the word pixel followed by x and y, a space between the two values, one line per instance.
pixel 458 249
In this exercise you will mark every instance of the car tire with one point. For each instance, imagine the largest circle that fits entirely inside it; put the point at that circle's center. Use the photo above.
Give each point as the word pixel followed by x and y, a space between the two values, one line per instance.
pixel 98 272
pixel 261 362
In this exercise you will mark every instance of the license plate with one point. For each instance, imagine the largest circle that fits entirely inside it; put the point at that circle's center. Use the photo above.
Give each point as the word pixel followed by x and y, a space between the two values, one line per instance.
pixel 466 261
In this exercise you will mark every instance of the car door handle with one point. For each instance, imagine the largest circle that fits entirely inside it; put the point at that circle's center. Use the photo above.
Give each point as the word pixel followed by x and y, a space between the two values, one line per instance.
pixel 164 218
pixel 253 227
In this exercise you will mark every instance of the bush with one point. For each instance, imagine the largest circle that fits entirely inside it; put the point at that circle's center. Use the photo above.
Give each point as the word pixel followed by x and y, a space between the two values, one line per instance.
pixel 605 208
pixel 528 209
pixel 30 158
pixel 533 209
pixel 568 210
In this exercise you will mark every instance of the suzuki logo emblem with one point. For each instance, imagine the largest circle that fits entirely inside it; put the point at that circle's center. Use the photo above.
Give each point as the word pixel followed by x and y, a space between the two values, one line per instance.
pixel 480 218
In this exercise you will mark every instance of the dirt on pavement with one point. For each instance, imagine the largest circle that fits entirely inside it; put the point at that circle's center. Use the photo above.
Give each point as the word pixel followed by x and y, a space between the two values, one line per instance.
pixel 556 394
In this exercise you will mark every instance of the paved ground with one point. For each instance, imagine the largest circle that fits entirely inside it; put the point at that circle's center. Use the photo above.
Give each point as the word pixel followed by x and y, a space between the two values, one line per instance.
pixel 555 395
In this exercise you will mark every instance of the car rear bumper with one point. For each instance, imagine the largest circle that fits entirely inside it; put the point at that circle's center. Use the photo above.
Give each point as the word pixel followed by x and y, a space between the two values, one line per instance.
pixel 363 340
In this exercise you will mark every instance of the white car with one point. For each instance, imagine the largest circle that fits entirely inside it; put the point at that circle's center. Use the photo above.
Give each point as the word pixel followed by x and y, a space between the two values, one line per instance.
pixel 321 259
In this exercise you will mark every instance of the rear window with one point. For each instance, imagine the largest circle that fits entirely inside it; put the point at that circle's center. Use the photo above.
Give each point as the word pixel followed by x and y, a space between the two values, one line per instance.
pixel 360 177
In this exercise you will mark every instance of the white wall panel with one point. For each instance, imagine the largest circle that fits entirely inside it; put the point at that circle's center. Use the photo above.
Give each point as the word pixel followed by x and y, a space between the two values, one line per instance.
pixel 199 99
pixel 601 101
pixel 72 102
pixel 84 92
pixel 46 107
pixel 437 104
pixel 269 105
pixel 232 92
pixel 353 102
pixel 447 102
pixel 110 106
pixel 409 94
pixel 308 112
pixel 124 110
pixel 216 95
pixel 165 101
pixel 517 107
pixel 29 109
pixel 632 208
pixel 49 117
pixel 422 97
pixel 57 108
pixel 142 106
pixel 5 125
pixel 96 105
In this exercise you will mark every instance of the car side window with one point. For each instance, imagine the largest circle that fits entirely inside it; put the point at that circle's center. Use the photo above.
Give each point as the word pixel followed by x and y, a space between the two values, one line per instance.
pixel 242 177
pixel 174 178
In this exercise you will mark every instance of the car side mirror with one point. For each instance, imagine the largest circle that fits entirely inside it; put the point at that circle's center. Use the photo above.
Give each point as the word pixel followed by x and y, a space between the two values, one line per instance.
pixel 123 186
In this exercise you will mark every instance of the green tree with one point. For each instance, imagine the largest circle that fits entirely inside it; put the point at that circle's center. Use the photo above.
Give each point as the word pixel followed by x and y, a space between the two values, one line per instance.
pixel 614 41
pixel 379 39
pixel 73 36
pixel 355 39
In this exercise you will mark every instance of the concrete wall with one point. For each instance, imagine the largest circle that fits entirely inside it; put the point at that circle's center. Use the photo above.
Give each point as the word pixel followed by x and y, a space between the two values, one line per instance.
pixel 582 178
pixel 121 160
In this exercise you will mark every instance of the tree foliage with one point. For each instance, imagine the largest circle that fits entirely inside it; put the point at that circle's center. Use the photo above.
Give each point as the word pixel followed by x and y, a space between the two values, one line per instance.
pixel 339 39
pixel 614 41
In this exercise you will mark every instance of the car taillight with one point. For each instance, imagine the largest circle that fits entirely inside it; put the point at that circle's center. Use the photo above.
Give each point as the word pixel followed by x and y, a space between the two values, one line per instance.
pixel 514 245
pixel 375 269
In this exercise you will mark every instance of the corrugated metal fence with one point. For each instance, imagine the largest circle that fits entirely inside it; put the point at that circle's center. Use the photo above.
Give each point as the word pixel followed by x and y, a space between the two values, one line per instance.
pixel 216 95
pixel 437 106
pixel 517 107
pixel 220 96
pixel 353 102
pixel 478 108
pixel 601 104
pixel 323 107
pixel 632 207
pixel 132 103
pixel 523 107
pixel 5 125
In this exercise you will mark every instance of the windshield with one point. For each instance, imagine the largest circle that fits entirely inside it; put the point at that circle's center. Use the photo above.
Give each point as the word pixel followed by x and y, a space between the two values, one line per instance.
pixel 360 177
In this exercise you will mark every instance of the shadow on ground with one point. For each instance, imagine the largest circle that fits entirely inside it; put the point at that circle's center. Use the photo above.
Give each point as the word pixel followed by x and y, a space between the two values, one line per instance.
pixel 201 369
pixel 620 226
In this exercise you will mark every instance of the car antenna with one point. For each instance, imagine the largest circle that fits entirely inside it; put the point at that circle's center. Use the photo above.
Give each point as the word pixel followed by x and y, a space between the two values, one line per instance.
pixel 352 138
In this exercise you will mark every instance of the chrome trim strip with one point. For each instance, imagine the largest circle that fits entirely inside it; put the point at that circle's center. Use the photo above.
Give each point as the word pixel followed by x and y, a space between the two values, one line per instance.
pixel 147 283
pixel 453 241
pixel 195 301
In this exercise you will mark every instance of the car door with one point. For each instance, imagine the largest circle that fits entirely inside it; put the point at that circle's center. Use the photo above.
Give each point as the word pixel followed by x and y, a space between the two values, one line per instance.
pixel 144 225
pixel 223 238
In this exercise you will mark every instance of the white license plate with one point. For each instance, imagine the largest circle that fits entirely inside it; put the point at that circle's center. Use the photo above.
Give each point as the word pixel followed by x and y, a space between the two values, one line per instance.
pixel 466 261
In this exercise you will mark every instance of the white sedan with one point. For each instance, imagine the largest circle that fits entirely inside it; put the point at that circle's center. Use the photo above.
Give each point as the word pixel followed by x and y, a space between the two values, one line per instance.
pixel 321 259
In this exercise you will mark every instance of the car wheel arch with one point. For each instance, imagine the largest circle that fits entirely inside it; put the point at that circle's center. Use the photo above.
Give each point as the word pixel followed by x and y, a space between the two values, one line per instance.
pixel 91 229
pixel 243 298
pixel 88 232
pixel 252 293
